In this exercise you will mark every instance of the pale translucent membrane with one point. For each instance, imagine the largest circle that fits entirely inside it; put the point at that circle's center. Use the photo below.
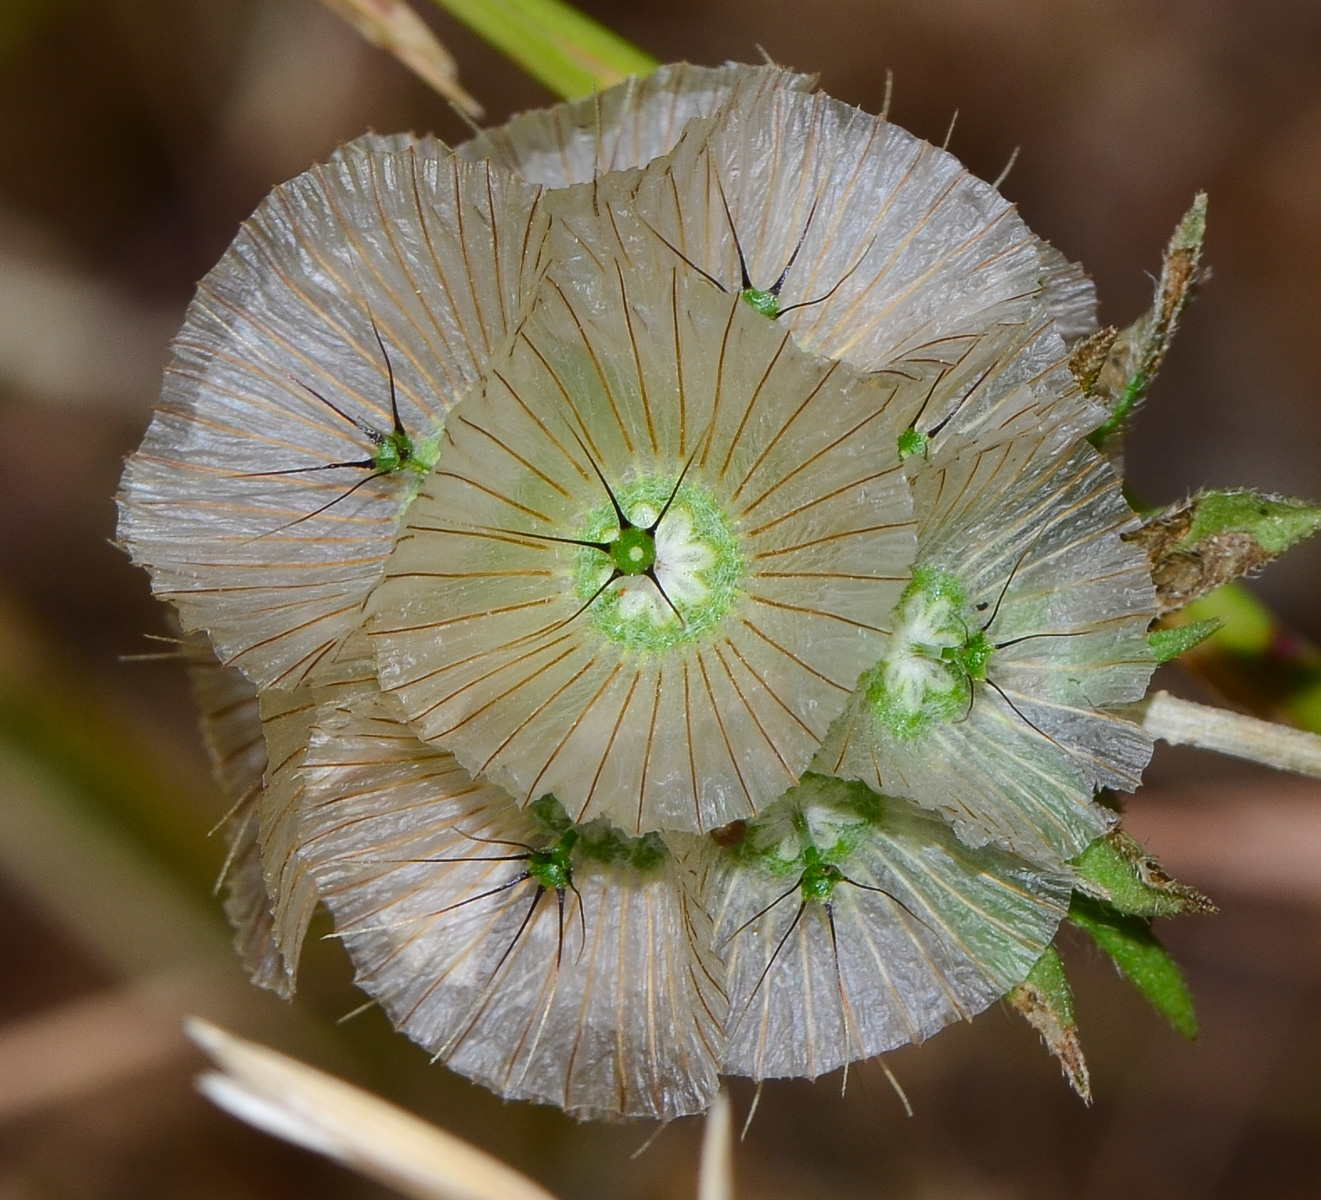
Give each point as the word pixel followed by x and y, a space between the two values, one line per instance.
pixel 1005 382
pixel 609 1006
pixel 484 636
pixel 951 930
pixel 257 745
pixel 288 716
pixel 226 502
pixel 231 729
pixel 1036 546
pixel 1070 294
pixel 624 126
pixel 903 253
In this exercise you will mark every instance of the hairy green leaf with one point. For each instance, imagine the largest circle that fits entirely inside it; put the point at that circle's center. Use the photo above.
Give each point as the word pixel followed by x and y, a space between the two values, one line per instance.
pixel 1167 644
pixel 1140 957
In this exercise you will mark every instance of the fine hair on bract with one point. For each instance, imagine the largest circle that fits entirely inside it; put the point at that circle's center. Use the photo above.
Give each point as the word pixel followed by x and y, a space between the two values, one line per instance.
pixel 645 575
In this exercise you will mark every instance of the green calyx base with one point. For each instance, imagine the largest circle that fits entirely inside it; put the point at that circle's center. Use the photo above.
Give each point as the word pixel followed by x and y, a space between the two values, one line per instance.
pixel 936 656
pixel 639 559
pixel 398 452
pixel 595 841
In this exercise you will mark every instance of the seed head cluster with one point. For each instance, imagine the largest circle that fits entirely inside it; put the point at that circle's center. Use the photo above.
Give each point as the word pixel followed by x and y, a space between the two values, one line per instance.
pixel 646 576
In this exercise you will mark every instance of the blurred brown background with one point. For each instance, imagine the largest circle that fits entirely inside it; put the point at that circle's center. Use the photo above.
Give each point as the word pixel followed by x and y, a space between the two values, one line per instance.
pixel 136 134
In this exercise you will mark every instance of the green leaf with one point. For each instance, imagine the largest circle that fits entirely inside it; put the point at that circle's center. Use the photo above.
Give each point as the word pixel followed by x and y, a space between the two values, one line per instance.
pixel 1045 1000
pixel 1140 957
pixel 1137 353
pixel 1214 537
pixel 1167 644
pixel 553 42
pixel 1121 872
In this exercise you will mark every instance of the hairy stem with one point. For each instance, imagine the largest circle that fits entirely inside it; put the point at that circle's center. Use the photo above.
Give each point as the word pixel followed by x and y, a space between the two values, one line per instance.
pixel 1185 723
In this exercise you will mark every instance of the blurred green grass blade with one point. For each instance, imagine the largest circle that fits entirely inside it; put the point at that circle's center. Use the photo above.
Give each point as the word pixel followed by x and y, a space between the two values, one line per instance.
pixel 96 881
pixel 1255 660
pixel 62 722
pixel 1141 959
pixel 553 42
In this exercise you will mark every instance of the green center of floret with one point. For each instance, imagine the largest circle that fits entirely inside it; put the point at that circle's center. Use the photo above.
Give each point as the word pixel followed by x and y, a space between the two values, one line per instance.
pixel 669 575
pixel 552 867
pixel 633 552
pixel 396 451
pixel 818 879
pixel 936 655
pixel 913 441
pixel 596 841
pixel 766 303
pixel 809 834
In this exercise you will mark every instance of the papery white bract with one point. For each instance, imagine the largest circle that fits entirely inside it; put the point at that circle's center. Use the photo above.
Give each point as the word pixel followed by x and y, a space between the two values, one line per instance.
pixel 999 718
pixel 307 388
pixel 880 249
pixel 852 923
pixel 583 977
pixel 582 500
pixel 232 730
pixel 620 128
pixel 499 626
pixel 257 743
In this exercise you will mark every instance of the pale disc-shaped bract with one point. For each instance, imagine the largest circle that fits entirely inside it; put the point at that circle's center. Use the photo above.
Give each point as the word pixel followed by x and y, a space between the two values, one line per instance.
pixel 232 502
pixel 232 731
pixel 1070 295
pixel 621 127
pixel 914 931
pixel 288 716
pixel 256 744
pixel 782 551
pixel 605 1000
pixel 1026 553
pixel 874 247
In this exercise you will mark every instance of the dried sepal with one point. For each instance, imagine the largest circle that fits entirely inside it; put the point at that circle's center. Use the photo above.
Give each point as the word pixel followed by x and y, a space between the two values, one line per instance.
pixel 1088 357
pixel 1137 353
pixel 1117 869
pixel 1215 537
pixel 307 388
pixel 396 28
pixel 1045 1000
pixel 691 688
pixel 853 923
pixel 550 962
pixel 1026 622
